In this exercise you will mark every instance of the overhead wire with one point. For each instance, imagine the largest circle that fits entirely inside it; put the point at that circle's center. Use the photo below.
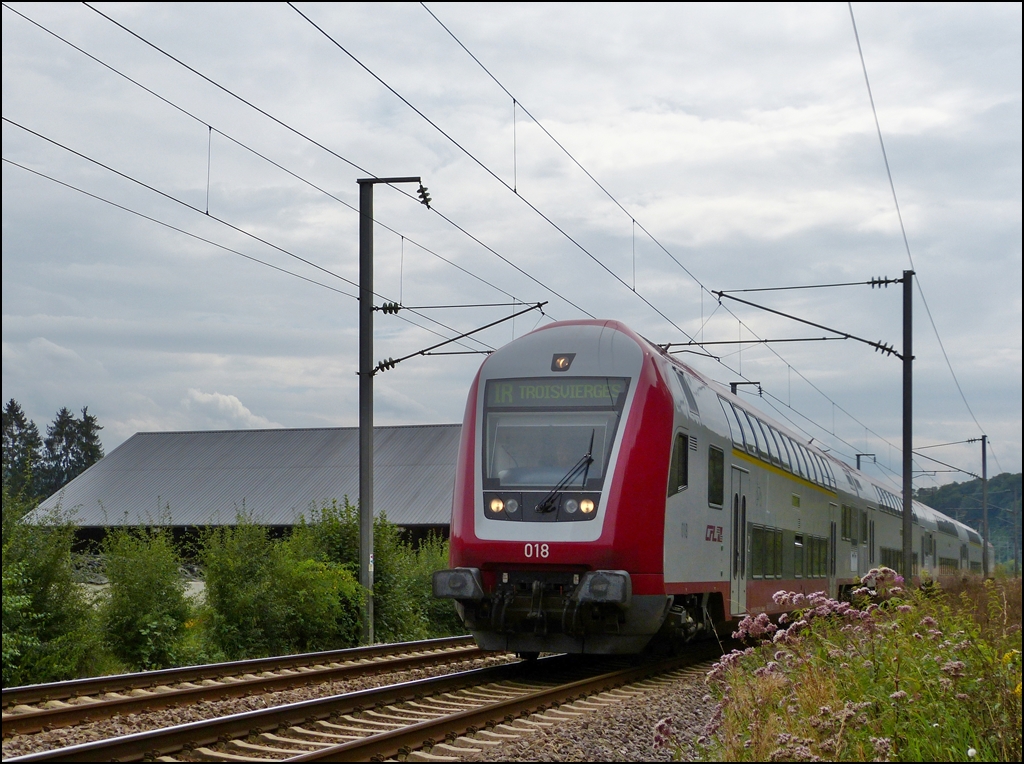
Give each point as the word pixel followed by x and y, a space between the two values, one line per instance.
pixel 192 207
pixel 334 153
pixel 323 147
pixel 489 171
pixel 207 241
pixel 903 229
pixel 632 217
pixel 253 151
pixel 636 223
pixel 176 228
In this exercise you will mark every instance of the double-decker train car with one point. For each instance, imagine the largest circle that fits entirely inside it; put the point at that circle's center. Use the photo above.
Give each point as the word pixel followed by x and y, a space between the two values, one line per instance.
pixel 607 494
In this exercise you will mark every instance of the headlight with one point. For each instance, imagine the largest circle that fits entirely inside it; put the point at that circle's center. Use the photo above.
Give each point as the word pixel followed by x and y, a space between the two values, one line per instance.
pixel 497 505
pixel 511 507
pixel 571 506
pixel 587 506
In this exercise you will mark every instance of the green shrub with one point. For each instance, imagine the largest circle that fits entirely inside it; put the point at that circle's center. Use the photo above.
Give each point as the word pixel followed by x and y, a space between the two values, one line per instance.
pixel 272 597
pixel 926 675
pixel 144 610
pixel 48 630
pixel 403 602
pixel 442 619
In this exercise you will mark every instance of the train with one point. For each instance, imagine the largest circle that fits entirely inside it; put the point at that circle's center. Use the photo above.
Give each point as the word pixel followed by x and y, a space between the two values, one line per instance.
pixel 609 497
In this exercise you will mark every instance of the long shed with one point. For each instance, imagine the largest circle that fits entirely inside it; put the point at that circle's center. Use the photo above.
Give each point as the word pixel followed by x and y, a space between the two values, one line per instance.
pixel 206 478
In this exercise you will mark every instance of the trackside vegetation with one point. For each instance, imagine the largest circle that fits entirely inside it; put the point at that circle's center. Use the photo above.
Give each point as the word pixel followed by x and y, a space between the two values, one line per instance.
pixel 931 674
pixel 263 595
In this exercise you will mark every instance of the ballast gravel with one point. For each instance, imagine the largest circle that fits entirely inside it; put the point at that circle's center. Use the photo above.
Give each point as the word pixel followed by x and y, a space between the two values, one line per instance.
pixel 623 731
pixel 19 745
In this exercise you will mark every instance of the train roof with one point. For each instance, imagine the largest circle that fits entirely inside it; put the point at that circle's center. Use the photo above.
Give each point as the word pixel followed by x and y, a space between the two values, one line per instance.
pixel 884 498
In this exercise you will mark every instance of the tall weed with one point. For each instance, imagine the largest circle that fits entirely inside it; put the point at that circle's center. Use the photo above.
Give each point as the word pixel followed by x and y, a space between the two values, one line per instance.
pixel 927 675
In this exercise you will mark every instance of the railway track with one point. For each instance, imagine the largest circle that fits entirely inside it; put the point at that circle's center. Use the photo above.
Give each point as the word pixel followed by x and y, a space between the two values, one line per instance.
pixel 36 708
pixel 440 718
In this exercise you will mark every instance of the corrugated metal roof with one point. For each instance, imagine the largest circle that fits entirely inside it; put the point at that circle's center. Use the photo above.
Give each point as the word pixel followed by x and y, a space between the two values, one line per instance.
pixel 205 478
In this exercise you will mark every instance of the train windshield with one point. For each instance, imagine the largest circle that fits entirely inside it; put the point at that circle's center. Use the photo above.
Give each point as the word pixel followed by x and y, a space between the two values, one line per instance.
pixel 537 429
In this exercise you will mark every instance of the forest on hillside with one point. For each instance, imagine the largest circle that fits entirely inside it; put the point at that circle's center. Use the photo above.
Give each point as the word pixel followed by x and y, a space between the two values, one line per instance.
pixel 963 501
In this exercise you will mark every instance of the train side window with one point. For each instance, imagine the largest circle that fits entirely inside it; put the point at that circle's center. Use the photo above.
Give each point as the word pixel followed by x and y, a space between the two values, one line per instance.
pixel 757 551
pixel 772 446
pixel 690 400
pixel 826 474
pixel 798 556
pixel 812 468
pixel 780 441
pixel 679 470
pixel 798 463
pixel 758 436
pixel 748 436
pixel 863 526
pixel 848 532
pixel 716 476
pixel 730 420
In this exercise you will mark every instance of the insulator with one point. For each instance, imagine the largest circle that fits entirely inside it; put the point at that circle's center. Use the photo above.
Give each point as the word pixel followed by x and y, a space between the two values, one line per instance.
pixel 424 196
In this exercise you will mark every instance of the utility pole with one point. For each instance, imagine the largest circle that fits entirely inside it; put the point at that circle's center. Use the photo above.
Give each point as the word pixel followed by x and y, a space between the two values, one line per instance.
pixel 984 506
pixel 366 367
pixel 908 426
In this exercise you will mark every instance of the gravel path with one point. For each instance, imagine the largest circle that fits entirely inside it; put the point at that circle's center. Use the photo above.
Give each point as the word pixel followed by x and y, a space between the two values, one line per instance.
pixel 19 745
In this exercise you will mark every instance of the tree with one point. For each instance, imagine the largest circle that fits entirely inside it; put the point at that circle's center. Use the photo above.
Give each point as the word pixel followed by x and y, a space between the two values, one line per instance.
pixel 22 452
pixel 72 445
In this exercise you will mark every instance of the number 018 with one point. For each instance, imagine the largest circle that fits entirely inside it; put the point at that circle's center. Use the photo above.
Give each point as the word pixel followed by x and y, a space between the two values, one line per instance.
pixel 537 550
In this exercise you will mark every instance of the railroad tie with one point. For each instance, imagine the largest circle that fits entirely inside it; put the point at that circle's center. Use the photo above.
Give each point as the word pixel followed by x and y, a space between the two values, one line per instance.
pixel 270 737
pixel 208 754
pixel 324 735
pixel 424 756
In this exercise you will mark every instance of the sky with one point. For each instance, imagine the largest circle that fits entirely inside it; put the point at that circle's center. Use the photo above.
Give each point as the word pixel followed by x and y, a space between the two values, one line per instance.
pixel 699 148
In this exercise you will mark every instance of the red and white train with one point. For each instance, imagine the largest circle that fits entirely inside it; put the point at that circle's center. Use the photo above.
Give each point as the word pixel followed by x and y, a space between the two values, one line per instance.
pixel 606 494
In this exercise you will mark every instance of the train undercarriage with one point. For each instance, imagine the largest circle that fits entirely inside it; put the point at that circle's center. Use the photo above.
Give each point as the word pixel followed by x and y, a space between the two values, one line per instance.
pixel 596 612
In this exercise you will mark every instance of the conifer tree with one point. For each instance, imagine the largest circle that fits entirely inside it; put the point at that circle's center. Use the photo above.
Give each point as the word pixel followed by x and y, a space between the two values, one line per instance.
pixel 71 446
pixel 22 452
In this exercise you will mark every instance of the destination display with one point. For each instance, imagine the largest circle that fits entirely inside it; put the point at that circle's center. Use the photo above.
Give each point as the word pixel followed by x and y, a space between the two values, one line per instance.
pixel 564 392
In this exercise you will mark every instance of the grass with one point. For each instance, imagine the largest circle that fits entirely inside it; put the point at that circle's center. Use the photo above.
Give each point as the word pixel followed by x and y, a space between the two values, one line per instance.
pixel 895 675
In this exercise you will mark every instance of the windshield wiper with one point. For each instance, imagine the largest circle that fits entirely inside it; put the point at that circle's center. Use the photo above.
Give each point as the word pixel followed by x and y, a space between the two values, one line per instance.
pixel 547 504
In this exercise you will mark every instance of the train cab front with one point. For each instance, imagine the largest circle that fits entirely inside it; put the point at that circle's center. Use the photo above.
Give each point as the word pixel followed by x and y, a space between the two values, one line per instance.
pixel 537 557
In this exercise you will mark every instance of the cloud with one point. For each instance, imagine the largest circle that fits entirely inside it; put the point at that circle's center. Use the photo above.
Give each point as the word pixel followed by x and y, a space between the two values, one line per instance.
pixel 226 412
pixel 741 137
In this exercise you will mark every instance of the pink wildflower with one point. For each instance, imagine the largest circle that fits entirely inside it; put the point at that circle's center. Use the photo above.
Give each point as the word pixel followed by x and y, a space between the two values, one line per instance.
pixel 663 733
pixel 954 668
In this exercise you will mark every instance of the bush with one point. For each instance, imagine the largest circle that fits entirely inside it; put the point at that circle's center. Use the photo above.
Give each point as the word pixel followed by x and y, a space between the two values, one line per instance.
pixel 928 675
pixel 144 610
pixel 267 597
pixel 442 618
pixel 403 602
pixel 48 630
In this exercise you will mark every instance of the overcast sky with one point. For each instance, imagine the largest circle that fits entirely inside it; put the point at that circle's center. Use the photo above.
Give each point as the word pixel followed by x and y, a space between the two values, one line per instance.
pixel 741 137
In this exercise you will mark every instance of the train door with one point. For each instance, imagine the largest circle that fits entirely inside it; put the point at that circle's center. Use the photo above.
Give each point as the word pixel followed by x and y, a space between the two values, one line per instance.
pixel 740 486
pixel 833 510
